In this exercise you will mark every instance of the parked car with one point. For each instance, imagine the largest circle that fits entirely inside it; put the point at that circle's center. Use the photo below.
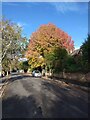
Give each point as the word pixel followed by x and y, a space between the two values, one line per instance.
pixel 36 73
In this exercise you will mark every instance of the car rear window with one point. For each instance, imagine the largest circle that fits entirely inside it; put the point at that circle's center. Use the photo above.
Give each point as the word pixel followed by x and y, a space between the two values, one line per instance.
pixel 36 71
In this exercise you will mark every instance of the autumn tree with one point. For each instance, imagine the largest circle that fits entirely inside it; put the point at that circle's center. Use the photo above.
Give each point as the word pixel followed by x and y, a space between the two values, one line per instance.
pixel 44 40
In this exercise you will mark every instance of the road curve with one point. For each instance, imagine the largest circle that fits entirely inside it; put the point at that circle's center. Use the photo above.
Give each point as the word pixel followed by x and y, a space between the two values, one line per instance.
pixel 29 97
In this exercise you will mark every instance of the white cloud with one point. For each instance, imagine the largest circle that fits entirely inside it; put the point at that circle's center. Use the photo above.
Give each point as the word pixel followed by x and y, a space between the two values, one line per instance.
pixel 65 6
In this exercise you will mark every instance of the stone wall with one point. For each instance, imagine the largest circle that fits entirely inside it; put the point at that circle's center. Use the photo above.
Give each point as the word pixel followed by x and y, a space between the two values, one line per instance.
pixel 74 76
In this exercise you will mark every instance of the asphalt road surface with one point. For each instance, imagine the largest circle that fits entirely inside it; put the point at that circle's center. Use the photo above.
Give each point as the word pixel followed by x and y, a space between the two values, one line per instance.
pixel 30 97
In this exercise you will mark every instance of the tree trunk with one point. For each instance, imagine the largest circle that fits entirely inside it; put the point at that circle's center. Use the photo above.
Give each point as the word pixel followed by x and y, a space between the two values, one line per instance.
pixel 46 72
pixel 50 73
pixel 64 76
pixel 7 73
pixel 10 69
pixel 0 73
pixel 43 72
pixel 0 68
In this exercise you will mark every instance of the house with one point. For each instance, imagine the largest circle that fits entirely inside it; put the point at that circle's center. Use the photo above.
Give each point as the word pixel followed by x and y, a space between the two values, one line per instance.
pixel 77 52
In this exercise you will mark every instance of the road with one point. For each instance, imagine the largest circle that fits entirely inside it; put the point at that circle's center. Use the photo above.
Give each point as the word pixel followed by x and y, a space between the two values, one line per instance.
pixel 29 97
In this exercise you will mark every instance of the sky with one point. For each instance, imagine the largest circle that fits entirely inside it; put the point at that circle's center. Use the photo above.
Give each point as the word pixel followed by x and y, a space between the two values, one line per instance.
pixel 71 17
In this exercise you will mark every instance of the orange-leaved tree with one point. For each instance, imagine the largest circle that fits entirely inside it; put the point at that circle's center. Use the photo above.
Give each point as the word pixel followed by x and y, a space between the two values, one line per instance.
pixel 43 41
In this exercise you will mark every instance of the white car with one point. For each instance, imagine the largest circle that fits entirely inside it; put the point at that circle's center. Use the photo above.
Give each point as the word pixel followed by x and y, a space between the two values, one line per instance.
pixel 36 73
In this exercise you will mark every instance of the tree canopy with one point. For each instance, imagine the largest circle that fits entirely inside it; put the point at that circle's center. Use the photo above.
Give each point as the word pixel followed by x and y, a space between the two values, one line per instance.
pixel 85 48
pixel 13 44
pixel 43 41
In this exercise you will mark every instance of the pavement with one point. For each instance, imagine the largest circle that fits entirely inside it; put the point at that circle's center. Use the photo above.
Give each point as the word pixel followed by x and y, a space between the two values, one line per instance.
pixel 3 82
pixel 30 97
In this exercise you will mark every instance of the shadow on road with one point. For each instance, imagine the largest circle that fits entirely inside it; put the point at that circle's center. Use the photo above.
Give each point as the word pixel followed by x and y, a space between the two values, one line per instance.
pixel 67 102
pixel 12 79
pixel 16 107
pixel 57 102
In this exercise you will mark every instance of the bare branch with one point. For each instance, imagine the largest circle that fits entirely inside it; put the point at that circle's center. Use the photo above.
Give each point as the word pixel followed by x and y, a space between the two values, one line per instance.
pixel 6 50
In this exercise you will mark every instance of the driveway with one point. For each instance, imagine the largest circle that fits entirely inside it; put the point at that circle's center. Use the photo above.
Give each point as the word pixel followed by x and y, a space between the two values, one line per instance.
pixel 29 97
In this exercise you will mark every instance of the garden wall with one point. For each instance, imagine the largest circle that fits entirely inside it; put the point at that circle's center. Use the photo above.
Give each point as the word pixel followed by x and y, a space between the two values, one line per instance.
pixel 74 76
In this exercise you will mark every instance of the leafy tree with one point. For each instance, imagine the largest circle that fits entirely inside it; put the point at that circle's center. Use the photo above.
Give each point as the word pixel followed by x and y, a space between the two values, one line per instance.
pixel 71 65
pixel 56 59
pixel 80 62
pixel 61 56
pixel 85 48
pixel 24 65
pixel 44 40
pixel 13 44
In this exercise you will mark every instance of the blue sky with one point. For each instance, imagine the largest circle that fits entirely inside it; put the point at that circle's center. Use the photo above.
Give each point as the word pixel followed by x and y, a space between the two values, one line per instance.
pixel 71 17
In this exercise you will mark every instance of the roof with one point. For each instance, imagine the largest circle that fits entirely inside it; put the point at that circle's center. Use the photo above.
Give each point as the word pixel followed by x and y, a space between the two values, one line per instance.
pixel 75 52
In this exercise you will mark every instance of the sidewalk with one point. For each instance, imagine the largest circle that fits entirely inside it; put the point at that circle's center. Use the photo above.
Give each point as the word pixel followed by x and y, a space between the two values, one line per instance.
pixel 3 79
pixel 3 83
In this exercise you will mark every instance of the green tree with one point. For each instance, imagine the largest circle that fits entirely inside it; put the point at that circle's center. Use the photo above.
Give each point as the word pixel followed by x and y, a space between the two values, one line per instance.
pixel 56 59
pixel 85 48
pixel 71 65
pixel 13 44
pixel 81 61
pixel 24 65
